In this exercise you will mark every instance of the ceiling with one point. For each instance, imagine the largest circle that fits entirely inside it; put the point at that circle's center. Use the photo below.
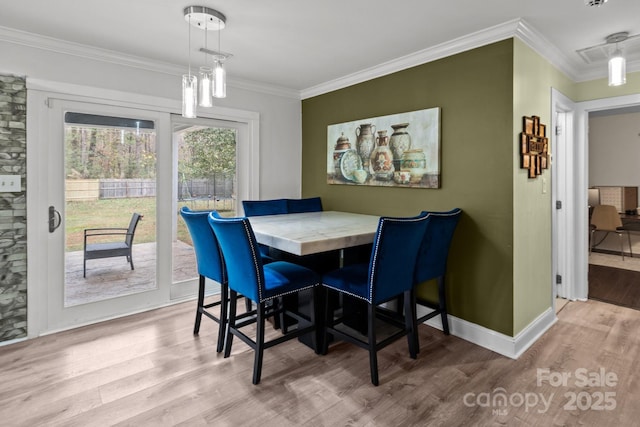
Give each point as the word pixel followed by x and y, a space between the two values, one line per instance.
pixel 300 45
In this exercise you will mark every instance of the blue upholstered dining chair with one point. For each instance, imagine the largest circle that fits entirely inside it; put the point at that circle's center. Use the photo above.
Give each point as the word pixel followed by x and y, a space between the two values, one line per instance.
pixel 209 263
pixel 262 284
pixel 388 275
pixel 265 207
pixel 310 204
pixel 262 208
pixel 432 263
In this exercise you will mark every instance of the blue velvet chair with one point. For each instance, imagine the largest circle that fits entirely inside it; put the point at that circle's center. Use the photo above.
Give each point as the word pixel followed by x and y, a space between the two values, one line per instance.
pixel 261 208
pixel 210 264
pixel 262 284
pixel 265 207
pixel 310 204
pixel 432 263
pixel 388 275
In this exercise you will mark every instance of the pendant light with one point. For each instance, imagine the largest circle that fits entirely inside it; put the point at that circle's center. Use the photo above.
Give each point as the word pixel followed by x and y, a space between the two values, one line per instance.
pixel 205 19
pixel 617 61
pixel 205 87
pixel 189 86
pixel 219 73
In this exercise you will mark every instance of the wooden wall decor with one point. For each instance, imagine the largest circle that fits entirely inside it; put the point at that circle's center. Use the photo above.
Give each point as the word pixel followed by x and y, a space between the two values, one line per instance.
pixel 534 146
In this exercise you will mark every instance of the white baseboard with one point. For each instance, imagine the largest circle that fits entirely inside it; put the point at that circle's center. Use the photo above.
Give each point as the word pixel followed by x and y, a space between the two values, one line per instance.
pixel 511 347
pixel 188 289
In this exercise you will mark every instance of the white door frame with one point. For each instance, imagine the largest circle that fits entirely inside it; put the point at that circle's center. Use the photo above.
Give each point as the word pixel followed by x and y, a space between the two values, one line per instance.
pixel 582 182
pixel 41 318
pixel 562 134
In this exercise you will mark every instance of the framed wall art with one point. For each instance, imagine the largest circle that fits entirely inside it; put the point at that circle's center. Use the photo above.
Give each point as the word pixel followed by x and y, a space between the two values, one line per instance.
pixel 534 146
pixel 398 150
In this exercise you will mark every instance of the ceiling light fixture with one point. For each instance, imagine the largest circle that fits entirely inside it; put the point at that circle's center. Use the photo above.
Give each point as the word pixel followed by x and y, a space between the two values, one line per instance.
pixel 212 82
pixel 205 90
pixel 617 61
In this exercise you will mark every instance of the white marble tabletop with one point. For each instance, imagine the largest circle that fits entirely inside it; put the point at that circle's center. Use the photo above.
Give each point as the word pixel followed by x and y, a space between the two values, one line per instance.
pixel 314 232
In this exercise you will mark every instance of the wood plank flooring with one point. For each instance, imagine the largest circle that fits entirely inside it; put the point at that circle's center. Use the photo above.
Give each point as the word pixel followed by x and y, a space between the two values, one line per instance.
pixel 149 370
pixel 614 285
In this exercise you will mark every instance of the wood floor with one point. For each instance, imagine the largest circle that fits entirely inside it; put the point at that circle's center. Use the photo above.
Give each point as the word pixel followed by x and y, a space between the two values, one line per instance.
pixel 615 285
pixel 148 369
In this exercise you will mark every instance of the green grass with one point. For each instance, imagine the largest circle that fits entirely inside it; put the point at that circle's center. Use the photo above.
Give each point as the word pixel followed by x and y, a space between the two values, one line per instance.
pixel 117 213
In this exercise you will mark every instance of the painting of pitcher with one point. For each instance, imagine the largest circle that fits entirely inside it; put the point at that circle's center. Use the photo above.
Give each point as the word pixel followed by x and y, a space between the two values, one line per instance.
pixel 409 158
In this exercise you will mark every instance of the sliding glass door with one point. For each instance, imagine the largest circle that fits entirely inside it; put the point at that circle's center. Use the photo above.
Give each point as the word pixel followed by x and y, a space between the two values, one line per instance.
pixel 205 165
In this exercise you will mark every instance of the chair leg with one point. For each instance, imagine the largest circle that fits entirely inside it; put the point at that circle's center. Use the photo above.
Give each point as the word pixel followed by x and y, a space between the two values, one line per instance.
pixel 84 268
pixel 411 322
pixel 199 307
pixel 327 319
pixel 630 247
pixel 282 318
pixel 442 302
pixel 130 261
pixel 224 308
pixel 621 247
pixel 373 356
pixel 233 300
pixel 247 304
pixel 257 364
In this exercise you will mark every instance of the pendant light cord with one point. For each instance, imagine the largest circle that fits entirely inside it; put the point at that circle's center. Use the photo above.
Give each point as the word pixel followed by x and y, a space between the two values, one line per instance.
pixel 189 45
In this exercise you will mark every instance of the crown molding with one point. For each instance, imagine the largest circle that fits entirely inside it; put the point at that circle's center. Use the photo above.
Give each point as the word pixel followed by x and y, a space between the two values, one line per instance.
pixel 263 88
pixel 64 47
pixel 51 44
pixel 536 41
pixel 515 28
pixel 471 41
pixel 518 28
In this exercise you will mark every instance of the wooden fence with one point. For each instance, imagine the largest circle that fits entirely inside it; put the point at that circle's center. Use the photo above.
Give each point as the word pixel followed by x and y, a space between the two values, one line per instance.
pixel 218 186
pixel 127 188
pixel 82 189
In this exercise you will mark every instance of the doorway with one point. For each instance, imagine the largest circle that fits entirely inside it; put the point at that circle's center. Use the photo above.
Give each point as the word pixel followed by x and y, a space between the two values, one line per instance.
pixel 582 179
pixel 613 180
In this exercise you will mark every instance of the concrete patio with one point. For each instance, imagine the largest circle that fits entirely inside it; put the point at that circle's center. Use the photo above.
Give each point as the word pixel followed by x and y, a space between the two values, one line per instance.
pixel 113 277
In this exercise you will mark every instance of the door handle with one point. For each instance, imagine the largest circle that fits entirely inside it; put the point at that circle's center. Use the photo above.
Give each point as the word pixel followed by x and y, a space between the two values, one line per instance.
pixel 53 213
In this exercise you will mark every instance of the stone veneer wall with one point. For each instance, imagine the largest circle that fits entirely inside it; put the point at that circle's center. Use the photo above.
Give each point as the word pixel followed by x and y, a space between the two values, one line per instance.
pixel 13 213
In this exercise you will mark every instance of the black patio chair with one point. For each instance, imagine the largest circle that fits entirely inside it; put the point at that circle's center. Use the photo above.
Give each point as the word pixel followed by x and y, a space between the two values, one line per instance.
pixel 110 249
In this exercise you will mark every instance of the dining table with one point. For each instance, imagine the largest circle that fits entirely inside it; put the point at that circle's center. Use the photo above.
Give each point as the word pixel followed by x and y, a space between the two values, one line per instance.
pixel 314 232
pixel 312 238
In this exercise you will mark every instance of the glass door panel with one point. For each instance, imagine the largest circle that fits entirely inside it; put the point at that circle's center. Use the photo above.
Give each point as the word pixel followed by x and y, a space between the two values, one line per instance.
pixel 205 179
pixel 110 174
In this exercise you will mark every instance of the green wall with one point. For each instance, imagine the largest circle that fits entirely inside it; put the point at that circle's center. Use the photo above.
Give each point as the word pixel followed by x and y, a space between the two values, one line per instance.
pixel 474 90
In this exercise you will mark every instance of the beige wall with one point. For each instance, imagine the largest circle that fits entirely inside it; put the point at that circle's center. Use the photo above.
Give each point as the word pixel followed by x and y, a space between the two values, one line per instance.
pixel 533 78
pixel 598 89
pixel 614 150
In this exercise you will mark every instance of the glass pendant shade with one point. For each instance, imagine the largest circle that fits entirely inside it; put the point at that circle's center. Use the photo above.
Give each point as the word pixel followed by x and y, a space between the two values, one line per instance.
pixel 617 69
pixel 206 87
pixel 220 80
pixel 189 95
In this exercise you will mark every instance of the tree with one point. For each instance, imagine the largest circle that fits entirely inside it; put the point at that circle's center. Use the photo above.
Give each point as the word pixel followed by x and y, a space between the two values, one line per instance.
pixel 208 151
pixel 97 152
